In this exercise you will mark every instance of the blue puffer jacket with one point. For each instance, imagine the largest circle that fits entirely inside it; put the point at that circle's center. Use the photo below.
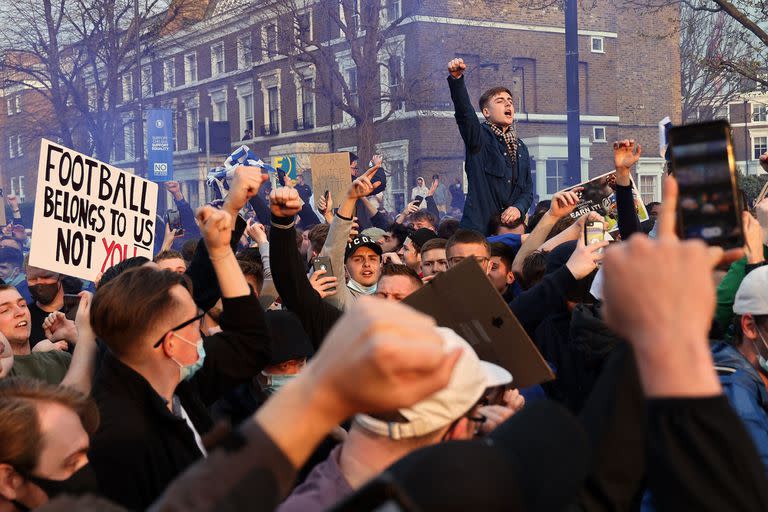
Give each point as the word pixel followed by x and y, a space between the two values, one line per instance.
pixel 746 392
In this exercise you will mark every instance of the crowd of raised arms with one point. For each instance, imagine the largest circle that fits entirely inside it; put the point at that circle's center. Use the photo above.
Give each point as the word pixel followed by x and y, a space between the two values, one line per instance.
pixel 264 359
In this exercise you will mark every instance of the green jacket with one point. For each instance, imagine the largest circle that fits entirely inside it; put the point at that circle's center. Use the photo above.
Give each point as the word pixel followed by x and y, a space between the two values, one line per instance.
pixel 726 292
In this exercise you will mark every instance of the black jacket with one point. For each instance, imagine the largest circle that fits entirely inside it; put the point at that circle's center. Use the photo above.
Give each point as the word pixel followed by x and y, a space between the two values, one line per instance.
pixel 140 446
pixel 289 273
pixel 493 183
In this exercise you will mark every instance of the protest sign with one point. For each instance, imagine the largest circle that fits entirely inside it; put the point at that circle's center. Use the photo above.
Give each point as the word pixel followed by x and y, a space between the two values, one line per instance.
pixel 287 164
pixel 330 171
pixel 599 195
pixel 464 300
pixel 160 144
pixel 89 215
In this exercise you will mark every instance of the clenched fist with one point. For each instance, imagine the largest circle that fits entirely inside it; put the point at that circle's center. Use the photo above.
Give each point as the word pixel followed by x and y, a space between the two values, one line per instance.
pixel 456 68
pixel 284 202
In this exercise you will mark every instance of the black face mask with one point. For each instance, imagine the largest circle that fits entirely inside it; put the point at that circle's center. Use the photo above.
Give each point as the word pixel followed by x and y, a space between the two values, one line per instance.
pixel 44 293
pixel 82 481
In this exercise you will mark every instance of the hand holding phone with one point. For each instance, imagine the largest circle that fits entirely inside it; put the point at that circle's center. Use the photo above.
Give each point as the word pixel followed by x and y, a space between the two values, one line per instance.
pixel 173 218
pixel 594 232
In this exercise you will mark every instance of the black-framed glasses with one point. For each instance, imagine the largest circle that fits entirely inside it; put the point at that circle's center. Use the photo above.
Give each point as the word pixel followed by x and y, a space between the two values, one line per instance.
pixel 180 326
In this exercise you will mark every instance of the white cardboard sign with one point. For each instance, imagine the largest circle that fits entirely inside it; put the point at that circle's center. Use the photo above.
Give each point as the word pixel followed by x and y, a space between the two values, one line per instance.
pixel 89 215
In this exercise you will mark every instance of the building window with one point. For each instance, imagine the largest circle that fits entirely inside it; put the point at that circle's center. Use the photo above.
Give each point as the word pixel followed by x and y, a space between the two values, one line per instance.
pixel 557 170
pixel 647 188
pixel 353 23
pixel 246 114
pixel 270 36
pixel 397 171
pixel 190 68
pixel 129 140
pixel 193 116
pixel 308 103
pixel 9 102
pixel 169 74
pixel 303 29
pixel 244 52
pixel 598 134
pixel 13 186
pixel 19 150
pixel 127 87
pixel 217 59
pixel 21 188
pixel 12 146
pixel 394 9
pixel 146 81
pixel 17 102
pixel 220 109
pixel 598 45
pixel 273 101
pixel 759 113
pixel 394 66
pixel 760 146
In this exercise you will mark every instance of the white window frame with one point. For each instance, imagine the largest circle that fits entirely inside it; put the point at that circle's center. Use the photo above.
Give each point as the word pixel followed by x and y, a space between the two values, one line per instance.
pixel 127 86
pixel 267 54
pixel 218 97
pixel 146 80
pixel 396 150
pixel 243 91
pixel 761 110
pixel 214 61
pixel 129 140
pixel 296 28
pixel 355 14
pixel 190 65
pixel 597 39
pixel 302 74
pixel 393 47
pixel 10 102
pixel 17 103
pixel 169 79
pixel 21 194
pixel 267 81
pixel 595 138
pixel 19 148
pixel 244 49
pixel 12 147
pixel 345 62
pixel 399 4
pixel 192 105
pixel 13 186
pixel 755 145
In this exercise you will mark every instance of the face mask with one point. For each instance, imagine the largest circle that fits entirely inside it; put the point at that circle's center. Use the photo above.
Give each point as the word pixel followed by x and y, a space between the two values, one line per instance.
pixel 44 293
pixel 82 481
pixel 275 382
pixel 362 290
pixel 187 371
pixel 760 359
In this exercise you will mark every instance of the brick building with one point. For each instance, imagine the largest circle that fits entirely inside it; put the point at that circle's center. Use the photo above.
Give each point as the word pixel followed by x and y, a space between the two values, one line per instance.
pixel 748 116
pixel 229 67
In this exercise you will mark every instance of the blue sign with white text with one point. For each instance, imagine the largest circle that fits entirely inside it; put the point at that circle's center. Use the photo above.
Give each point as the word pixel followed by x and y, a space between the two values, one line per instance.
pixel 160 144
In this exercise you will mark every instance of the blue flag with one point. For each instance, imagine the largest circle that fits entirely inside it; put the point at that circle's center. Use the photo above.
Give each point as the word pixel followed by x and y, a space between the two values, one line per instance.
pixel 160 144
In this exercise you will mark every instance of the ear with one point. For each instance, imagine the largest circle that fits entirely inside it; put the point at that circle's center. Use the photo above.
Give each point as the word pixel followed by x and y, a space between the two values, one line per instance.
pixel 510 277
pixel 486 112
pixel 168 345
pixel 10 482
pixel 748 326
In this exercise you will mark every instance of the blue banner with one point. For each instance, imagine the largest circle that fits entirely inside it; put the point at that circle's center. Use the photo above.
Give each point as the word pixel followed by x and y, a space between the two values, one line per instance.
pixel 160 144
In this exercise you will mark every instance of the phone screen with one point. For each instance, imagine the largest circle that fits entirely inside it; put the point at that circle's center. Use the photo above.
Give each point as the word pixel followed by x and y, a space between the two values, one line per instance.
pixel 71 304
pixel 593 233
pixel 174 220
pixel 709 202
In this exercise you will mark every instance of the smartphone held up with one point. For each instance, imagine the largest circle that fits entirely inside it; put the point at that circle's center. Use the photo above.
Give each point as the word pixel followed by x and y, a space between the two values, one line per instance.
pixel 710 203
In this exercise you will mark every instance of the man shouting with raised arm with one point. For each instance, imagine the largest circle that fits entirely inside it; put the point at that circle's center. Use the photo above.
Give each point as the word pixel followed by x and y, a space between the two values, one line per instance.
pixel 496 161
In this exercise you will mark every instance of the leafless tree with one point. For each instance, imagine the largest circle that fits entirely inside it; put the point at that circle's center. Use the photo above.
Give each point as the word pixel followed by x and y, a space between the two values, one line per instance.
pixel 371 87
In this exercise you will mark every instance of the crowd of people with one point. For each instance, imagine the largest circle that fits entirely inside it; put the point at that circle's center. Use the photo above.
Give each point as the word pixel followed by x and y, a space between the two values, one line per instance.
pixel 265 360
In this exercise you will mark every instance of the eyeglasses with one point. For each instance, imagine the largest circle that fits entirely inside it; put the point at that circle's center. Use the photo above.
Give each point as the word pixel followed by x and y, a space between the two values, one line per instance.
pixel 199 316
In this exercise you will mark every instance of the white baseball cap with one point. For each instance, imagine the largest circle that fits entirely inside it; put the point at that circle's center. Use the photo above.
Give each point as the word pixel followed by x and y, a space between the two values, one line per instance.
pixel 752 297
pixel 469 380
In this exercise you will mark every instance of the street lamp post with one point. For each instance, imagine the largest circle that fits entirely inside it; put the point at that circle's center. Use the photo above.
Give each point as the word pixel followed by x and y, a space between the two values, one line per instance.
pixel 572 90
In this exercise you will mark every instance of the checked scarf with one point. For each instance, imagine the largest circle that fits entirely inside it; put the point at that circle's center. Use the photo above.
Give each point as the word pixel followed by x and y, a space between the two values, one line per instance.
pixel 509 138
